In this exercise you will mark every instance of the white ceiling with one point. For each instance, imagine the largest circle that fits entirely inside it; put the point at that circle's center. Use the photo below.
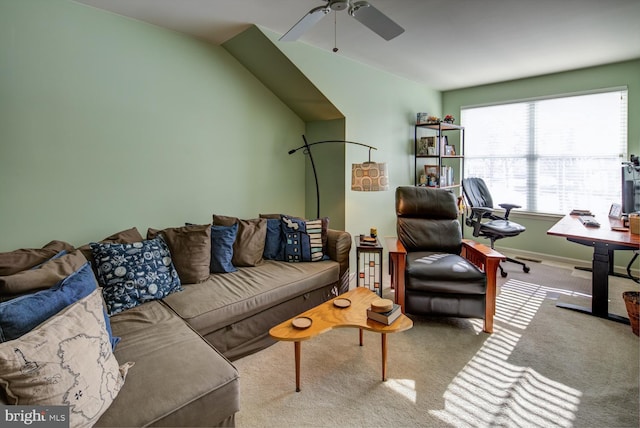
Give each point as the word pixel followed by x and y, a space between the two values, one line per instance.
pixel 447 44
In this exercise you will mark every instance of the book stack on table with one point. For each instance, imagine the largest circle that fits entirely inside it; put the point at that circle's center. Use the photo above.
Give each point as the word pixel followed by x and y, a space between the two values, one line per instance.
pixel 384 311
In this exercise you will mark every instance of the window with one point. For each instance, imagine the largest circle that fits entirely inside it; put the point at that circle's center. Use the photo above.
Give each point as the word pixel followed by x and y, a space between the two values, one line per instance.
pixel 550 155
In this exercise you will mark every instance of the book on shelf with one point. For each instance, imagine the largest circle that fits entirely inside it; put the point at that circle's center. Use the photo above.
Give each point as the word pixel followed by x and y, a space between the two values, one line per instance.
pixel 385 317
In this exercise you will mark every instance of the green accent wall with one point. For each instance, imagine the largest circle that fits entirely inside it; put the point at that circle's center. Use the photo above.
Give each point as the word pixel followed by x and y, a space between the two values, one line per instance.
pixel 380 110
pixel 108 123
pixel 535 239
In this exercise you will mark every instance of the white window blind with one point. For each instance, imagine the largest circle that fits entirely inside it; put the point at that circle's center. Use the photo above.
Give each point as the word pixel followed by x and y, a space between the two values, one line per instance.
pixel 550 155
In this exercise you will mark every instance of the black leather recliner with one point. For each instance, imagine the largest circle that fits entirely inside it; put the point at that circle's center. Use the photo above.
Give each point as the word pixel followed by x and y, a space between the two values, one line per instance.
pixel 483 220
pixel 435 271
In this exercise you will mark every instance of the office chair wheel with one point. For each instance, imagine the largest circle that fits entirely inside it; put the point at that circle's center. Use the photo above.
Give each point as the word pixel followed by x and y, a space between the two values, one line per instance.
pixel 502 272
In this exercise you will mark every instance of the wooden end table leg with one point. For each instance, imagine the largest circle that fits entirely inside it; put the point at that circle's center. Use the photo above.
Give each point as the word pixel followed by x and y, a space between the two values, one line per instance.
pixel 297 357
pixel 384 357
pixel 361 338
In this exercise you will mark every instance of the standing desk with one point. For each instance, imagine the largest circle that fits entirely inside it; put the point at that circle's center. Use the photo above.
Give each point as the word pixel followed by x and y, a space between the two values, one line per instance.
pixel 604 241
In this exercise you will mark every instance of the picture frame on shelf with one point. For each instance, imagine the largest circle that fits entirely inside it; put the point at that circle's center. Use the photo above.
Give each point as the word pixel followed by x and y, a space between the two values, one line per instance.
pixel 449 150
pixel 431 175
pixel 421 147
pixel 426 146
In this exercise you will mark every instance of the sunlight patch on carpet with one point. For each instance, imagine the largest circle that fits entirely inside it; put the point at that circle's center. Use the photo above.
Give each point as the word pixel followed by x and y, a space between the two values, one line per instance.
pixel 404 387
pixel 491 391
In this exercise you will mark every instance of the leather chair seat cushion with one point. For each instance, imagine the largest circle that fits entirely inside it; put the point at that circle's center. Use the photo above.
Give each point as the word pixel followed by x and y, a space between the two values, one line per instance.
pixel 470 306
pixel 436 272
pixel 502 228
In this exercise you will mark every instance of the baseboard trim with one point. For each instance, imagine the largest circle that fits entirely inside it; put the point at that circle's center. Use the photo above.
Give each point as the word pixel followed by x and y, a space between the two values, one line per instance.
pixel 541 257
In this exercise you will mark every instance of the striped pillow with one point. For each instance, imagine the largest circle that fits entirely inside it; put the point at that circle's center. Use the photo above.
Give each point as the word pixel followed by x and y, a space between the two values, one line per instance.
pixel 314 230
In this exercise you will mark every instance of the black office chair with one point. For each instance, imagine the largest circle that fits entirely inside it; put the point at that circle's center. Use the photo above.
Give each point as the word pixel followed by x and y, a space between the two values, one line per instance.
pixel 483 220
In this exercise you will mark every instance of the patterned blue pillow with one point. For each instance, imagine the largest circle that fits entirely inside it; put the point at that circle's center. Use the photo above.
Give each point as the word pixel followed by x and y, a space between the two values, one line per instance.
pixel 303 239
pixel 132 274
pixel 297 245
pixel 222 239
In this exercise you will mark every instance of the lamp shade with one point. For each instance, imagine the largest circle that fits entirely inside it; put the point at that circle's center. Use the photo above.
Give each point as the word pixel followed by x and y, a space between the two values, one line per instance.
pixel 369 177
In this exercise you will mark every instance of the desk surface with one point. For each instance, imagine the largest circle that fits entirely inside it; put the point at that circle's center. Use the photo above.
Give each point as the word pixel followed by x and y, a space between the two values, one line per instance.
pixel 571 227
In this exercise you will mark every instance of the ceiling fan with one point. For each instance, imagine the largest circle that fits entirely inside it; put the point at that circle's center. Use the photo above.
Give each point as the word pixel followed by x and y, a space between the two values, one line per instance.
pixel 364 12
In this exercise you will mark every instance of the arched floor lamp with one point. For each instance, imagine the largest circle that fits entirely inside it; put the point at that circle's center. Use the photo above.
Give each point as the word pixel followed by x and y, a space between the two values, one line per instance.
pixel 365 177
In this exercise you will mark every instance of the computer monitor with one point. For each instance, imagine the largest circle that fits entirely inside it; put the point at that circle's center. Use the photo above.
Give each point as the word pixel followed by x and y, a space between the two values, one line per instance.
pixel 631 186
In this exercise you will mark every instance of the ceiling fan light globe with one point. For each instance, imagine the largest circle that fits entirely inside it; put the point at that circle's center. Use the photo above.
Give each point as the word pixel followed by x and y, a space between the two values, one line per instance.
pixel 338 4
pixel 357 6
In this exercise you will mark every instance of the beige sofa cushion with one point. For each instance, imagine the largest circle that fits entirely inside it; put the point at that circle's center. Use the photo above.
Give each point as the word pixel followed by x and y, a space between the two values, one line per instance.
pixel 226 298
pixel 190 382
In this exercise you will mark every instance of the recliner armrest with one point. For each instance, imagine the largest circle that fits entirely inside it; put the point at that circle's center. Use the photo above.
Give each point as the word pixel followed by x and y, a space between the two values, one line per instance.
pixel 397 264
pixel 486 259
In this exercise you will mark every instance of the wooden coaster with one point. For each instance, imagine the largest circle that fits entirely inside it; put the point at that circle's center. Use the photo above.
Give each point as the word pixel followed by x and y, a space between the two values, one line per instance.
pixel 342 303
pixel 381 305
pixel 301 322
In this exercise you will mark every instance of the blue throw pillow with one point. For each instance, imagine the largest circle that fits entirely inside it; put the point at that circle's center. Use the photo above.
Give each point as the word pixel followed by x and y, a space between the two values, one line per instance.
pixel 222 239
pixel 22 314
pixel 274 243
pixel 131 274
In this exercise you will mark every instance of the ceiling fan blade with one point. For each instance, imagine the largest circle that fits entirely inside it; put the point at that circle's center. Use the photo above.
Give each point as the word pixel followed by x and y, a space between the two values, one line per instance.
pixel 307 21
pixel 375 20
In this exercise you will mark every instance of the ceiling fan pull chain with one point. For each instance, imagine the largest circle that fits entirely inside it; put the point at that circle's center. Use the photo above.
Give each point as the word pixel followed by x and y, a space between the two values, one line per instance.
pixel 335 32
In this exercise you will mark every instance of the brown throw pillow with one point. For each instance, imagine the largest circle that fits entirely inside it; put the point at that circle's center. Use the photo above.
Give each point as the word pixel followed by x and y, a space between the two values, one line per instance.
pixel 26 258
pixel 249 244
pixel 127 236
pixel 45 276
pixel 190 248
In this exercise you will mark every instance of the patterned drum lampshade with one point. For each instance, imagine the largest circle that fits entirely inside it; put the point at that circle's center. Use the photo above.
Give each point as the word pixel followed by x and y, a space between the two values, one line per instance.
pixel 369 177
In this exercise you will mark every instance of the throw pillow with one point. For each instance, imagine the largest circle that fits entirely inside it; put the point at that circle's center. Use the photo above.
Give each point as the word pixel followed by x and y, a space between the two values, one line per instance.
pixel 325 226
pixel 43 276
pixel 250 239
pixel 66 361
pixel 132 274
pixel 190 248
pixel 22 314
pixel 25 258
pixel 274 242
pixel 303 239
pixel 297 245
pixel 127 236
pixel 222 239
pixel 314 230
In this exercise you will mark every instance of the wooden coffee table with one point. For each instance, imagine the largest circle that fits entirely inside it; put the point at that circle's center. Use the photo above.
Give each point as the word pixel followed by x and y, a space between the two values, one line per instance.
pixel 327 316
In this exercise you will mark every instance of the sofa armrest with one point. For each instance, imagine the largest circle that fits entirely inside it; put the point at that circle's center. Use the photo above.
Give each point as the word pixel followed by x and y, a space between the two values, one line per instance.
pixel 487 260
pixel 338 249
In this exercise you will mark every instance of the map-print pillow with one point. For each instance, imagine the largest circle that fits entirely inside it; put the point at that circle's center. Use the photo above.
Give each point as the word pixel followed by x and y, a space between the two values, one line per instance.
pixel 65 361
pixel 131 274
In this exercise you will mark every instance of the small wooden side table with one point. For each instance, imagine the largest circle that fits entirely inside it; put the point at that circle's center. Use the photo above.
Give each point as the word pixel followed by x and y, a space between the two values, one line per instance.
pixel 369 261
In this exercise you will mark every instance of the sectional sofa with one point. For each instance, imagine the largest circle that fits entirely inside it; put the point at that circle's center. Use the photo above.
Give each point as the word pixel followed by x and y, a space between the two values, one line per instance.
pixel 178 306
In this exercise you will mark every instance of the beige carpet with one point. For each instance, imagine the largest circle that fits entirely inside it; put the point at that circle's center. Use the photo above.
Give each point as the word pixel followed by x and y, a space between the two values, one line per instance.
pixel 543 367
